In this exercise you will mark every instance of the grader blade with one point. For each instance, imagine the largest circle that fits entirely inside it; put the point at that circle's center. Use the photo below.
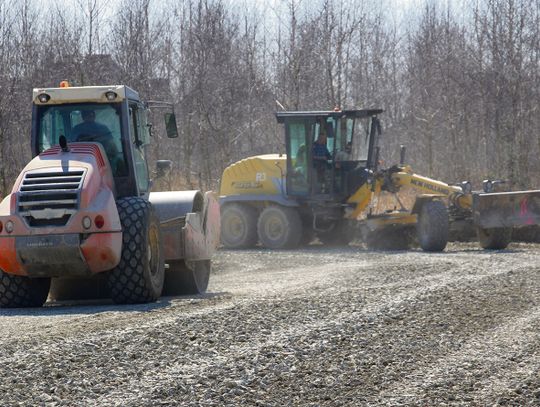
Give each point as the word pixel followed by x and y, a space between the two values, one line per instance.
pixel 506 209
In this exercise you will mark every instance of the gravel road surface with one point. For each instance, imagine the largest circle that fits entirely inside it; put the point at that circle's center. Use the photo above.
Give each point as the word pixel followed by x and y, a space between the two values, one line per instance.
pixel 317 327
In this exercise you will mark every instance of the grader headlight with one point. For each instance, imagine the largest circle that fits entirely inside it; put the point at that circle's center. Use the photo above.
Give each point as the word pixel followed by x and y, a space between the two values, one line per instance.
pixel 110 95
pixel 43 97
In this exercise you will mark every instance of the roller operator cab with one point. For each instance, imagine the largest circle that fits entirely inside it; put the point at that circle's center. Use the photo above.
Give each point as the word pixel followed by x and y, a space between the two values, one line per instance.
pixel 81 212
pixel 284 200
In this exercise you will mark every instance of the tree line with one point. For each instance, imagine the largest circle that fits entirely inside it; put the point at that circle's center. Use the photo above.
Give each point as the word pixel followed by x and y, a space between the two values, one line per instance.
pixel 459 82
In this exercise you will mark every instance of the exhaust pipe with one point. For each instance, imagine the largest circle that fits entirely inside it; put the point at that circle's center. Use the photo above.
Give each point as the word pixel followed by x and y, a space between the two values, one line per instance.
pixel 402 150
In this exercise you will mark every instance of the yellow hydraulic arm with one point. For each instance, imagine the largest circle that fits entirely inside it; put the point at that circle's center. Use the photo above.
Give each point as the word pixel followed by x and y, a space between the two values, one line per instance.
pixel 456 194
pixel 397 177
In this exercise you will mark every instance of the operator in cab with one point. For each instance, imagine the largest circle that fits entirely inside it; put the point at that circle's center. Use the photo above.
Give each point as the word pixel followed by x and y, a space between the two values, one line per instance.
pixel 91 130
pixel 321 155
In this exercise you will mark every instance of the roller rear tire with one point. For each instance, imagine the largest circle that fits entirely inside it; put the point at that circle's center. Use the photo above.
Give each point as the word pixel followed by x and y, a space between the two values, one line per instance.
pixel 139 276
pixel 23 292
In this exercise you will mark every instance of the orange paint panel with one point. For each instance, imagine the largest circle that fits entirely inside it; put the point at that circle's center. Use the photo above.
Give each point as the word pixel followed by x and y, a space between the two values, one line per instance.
pixel 102 251
pixel 8 257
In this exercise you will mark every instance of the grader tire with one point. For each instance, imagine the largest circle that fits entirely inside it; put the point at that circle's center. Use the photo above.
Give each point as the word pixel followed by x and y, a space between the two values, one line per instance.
pixel 495 238
pixel 432 226
pixel 139 276
pixel 187 279
pixel 238 226
pixel 279 228
pixel 22 292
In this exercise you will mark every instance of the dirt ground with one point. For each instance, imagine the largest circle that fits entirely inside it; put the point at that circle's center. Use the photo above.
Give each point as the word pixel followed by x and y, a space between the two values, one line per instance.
pixel 320 327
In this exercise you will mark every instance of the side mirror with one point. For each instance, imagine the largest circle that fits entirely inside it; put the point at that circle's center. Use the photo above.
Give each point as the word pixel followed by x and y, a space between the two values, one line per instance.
pixel 170 125
pixel 163 167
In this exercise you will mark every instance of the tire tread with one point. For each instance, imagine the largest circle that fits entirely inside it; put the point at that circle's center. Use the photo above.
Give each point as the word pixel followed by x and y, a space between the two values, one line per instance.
pixel 23 292
pixel 249 215
pixel 433 226
pixel 129 282
pixel 293 227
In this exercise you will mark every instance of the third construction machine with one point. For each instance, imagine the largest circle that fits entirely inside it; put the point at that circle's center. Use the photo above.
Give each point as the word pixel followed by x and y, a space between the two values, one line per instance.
pixel 284 200
pixel 81 212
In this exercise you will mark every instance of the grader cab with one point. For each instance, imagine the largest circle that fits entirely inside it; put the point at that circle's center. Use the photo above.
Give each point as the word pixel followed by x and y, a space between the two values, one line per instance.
pixel 82 212
pixel 284 200
pixel 327 183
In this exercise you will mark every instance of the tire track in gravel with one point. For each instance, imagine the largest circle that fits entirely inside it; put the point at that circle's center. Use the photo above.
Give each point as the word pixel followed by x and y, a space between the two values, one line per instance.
pixel 469 315
pixel 90 338
pixel 290 333
pixel 98 317
pixel 488 362
pixel 494 293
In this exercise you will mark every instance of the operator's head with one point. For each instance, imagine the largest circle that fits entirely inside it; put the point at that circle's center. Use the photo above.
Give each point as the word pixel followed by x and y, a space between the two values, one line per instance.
pixel 88 115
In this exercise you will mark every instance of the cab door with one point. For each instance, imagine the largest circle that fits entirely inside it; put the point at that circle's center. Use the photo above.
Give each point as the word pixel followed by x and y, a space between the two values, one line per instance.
pixel 139 138
pixel 298 145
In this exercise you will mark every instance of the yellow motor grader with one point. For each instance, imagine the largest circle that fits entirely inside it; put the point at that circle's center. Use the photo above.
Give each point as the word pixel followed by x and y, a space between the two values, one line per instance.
pixel 328 183
pixel 81 211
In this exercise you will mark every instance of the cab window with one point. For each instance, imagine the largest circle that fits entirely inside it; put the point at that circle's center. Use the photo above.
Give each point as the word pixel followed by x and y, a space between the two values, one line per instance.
pixel 137 138
pixel 297 181
pixel 91 122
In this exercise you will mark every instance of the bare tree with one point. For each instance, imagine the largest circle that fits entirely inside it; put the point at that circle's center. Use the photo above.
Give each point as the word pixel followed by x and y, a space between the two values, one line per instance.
pixel 463 91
